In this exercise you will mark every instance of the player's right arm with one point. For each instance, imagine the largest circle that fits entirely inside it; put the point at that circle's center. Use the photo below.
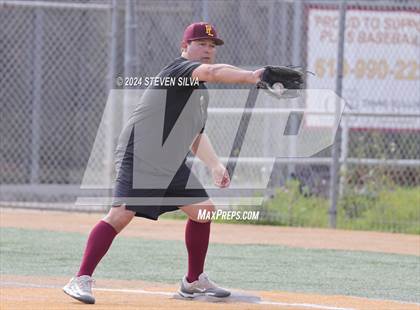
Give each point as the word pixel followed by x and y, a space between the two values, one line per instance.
pixel 223 73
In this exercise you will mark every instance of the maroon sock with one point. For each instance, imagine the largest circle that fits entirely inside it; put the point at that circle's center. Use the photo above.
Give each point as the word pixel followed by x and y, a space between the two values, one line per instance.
pixel 197 241
pixel 98 243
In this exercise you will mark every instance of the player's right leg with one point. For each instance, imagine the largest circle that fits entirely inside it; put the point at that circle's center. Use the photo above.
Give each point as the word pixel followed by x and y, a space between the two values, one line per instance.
pixel 98 243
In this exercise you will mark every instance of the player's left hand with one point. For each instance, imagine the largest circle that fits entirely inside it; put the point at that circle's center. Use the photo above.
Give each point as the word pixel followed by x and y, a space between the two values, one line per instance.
pixel 220 176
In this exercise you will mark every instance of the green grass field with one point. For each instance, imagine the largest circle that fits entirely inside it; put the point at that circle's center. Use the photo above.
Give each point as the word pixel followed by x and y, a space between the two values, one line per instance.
pixel 257 267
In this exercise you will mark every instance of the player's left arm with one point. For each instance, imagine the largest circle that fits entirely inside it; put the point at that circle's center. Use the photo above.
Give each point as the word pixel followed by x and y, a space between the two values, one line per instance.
pixel 203 149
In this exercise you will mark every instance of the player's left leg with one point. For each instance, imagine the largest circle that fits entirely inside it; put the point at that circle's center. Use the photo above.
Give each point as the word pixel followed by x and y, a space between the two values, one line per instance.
pixel 197 235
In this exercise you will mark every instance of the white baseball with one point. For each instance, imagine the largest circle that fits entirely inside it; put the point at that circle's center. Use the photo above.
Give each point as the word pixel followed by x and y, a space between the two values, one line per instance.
pixel 278 88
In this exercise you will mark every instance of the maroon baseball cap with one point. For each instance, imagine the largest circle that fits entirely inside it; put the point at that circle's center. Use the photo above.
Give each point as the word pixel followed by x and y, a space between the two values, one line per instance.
pixel 201 30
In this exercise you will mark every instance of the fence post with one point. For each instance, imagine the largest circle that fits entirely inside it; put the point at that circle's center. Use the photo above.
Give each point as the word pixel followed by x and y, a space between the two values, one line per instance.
pixel 270 59
pixel 112 121
pixel 37 92
pixel 129 49
pixel 335 165
pixel 296 61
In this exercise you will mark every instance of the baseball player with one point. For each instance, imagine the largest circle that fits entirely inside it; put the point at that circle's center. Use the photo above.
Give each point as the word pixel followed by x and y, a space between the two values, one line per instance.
pixel 198 51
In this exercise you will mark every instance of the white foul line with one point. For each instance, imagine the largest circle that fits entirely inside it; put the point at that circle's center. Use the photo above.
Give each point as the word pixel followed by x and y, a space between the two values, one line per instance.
pixel 312 306
pixel 133 291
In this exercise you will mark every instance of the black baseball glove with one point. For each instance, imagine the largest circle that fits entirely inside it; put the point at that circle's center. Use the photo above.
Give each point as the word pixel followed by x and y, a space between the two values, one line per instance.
pixel 282 82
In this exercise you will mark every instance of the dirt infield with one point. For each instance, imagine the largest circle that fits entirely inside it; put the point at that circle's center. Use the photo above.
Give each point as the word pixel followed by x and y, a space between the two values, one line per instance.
pixel 30 292
pixel 222 233
pixel 21 292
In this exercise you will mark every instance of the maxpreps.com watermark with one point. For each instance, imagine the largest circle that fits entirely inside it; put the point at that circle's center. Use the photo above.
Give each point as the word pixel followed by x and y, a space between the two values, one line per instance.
pixel 228 215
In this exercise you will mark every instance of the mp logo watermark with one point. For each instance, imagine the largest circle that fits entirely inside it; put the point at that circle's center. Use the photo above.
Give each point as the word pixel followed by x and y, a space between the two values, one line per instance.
pixel 159 140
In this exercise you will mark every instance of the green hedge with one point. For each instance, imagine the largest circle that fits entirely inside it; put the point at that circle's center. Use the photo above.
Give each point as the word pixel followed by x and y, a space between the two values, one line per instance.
pixel 394 210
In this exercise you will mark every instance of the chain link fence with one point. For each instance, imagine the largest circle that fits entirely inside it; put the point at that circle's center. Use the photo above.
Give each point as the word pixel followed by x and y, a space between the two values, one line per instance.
pixel 59 61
